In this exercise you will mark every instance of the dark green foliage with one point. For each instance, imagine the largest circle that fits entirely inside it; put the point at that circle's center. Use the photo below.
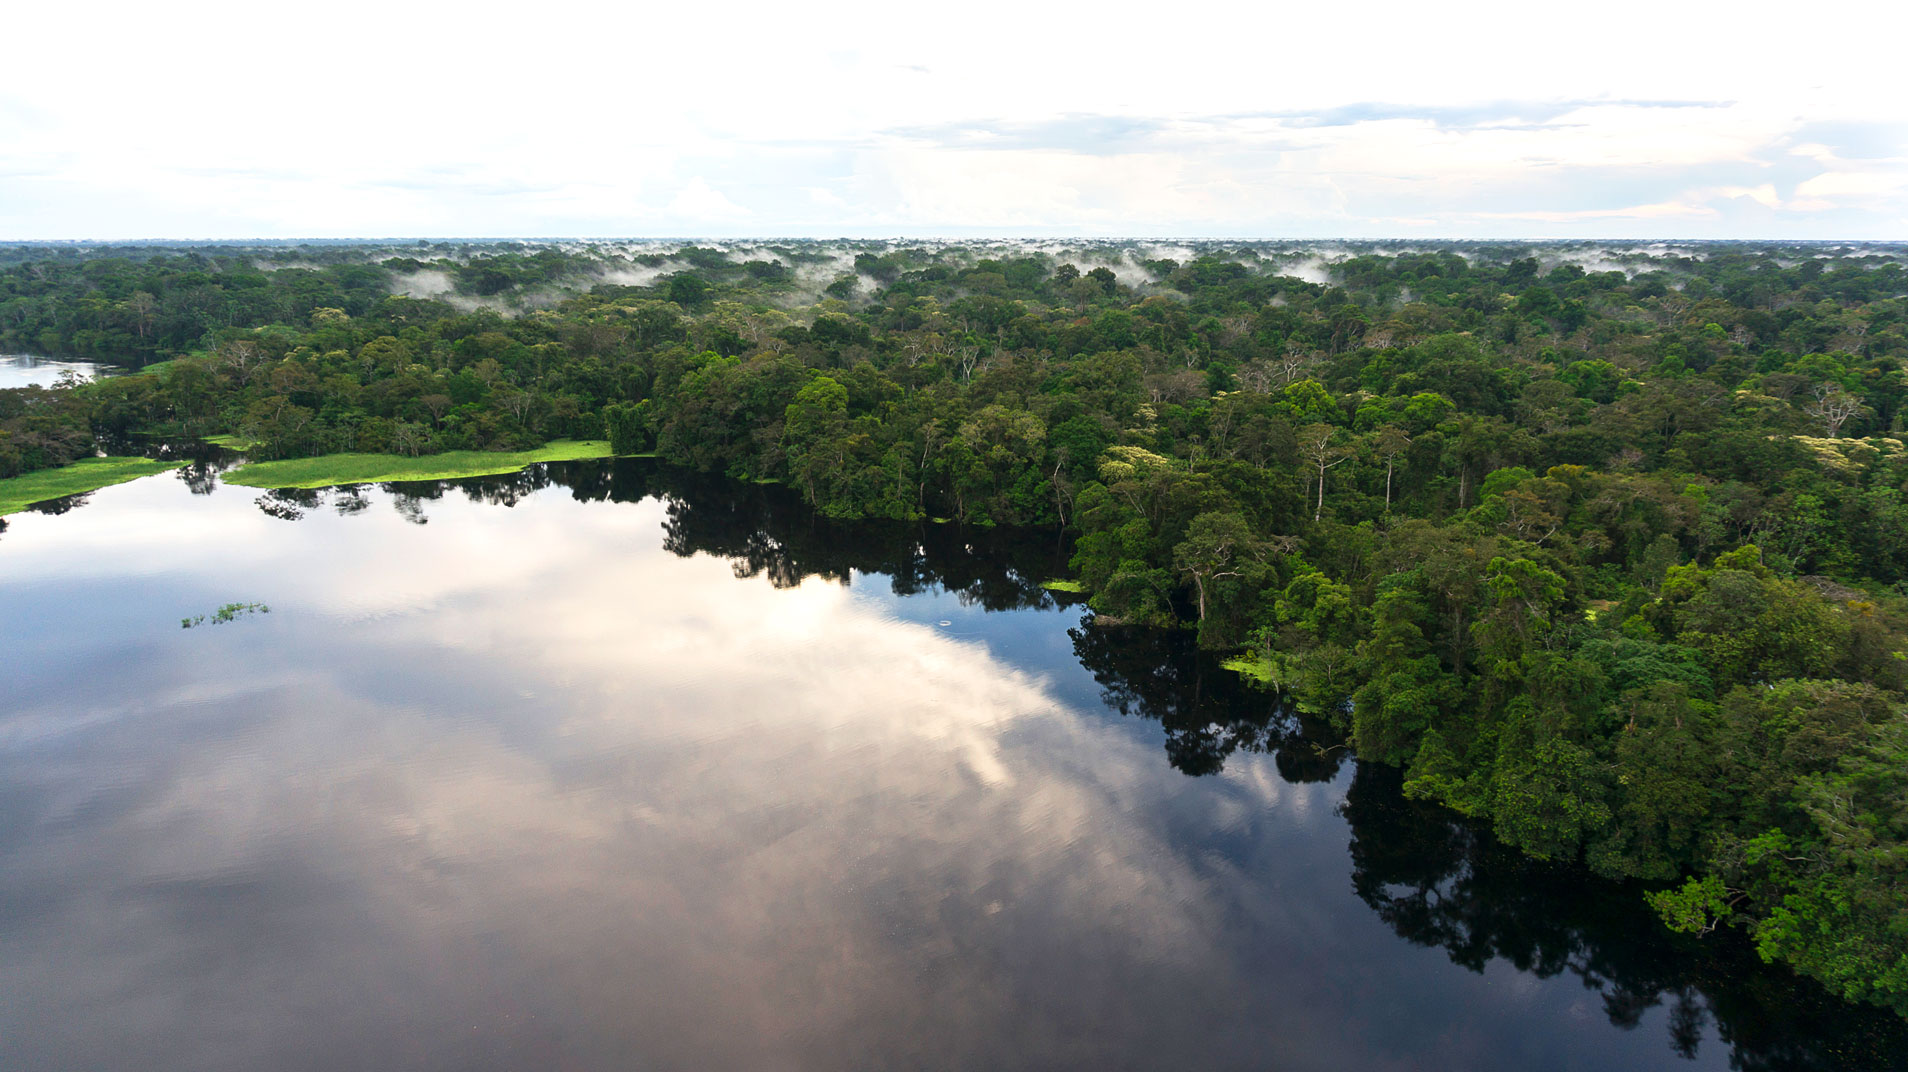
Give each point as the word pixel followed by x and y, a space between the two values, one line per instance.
pixel 1613 562
pixel 628 427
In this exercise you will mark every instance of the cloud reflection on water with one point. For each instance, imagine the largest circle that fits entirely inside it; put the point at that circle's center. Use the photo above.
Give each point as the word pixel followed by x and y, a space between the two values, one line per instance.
pixel 521 788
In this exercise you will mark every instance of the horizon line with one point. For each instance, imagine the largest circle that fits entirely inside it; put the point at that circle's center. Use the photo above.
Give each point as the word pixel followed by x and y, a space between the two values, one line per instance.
pixel 1420 239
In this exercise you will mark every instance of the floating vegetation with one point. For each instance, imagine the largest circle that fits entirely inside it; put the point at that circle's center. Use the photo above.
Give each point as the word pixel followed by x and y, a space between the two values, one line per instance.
pixel 231 612
pixel 1255 667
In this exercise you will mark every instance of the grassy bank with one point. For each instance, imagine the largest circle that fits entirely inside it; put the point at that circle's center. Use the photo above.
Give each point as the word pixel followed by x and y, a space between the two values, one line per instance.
pixel 90 474
pixel 1256 667
pixel 331 469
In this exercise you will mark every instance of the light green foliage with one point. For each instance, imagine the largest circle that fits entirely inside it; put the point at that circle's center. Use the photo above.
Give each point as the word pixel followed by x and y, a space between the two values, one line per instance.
pixel 1695 907
pixel 1748 623
pixel 1843 910
pixel 88 474
pixel 1124 463
pixel 1318 622
pixel 333 469
pixel 230 612
pixel 1306 401
pixel 1502 480
pixel 1255 668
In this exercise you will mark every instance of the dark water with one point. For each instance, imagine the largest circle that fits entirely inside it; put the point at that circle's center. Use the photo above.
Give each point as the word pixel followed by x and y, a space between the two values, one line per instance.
pixel 623 771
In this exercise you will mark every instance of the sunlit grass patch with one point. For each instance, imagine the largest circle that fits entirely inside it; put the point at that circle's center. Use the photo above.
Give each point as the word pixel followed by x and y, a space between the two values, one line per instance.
pixel 329 470
pixel 1256 667
pixel 89 474
pixel 1063 586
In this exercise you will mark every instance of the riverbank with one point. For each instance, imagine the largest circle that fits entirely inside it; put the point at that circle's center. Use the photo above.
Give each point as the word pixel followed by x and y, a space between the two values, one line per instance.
pixel 89 474
pixel 329 470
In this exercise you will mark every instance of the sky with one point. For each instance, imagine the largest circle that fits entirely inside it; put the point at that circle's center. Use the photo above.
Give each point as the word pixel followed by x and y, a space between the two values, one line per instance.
pixel 207 119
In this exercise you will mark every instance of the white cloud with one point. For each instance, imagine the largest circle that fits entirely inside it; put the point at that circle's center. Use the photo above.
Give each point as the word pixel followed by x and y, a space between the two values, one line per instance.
pixel 1831 184
pixel 700 201
pixel 582 119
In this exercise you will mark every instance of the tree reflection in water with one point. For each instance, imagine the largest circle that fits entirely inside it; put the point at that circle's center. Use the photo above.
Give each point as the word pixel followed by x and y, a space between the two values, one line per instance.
pixel 1440 881
pixel 1435 879
pixel 1207 711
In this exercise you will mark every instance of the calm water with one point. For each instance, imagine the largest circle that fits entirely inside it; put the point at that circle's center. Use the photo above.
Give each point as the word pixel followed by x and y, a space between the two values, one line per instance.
pixel 24 370
pixel 626 772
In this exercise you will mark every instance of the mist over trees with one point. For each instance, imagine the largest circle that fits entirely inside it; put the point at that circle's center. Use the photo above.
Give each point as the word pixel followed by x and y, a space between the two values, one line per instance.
pixel 1604 546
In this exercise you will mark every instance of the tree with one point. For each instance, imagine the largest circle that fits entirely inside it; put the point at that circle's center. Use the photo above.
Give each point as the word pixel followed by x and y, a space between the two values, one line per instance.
pixel 1293 360
pixel 1404 688
pixel 144 308
pixel 1389 442
pixel 241 357
pixel 1317 446
pixel 1216 545
pixel 628 427
pixel 687 288
pixel 1833 406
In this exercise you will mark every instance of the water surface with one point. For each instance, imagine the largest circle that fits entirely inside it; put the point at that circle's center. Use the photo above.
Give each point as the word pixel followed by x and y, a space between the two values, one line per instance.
pixel 25 370
pixel 600 768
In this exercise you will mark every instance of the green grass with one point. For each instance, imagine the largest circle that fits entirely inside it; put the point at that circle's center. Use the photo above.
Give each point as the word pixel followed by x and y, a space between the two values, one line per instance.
pixel 231 442
pixel 1256 667
pixel 231 612
pixel 329 470
pixel 90 474
pixel 1063 586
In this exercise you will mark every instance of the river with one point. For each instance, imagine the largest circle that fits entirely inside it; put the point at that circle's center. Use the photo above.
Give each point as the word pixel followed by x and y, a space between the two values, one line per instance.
pixel 601 767
pixel 25 370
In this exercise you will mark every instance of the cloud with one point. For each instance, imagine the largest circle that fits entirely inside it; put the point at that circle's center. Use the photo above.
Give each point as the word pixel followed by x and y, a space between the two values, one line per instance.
pixel 1851 183
pixel 687 793
pixel 700 201
pixel 1467 116
pixel 1095 135
pixel 1857 140
pixel 1173 131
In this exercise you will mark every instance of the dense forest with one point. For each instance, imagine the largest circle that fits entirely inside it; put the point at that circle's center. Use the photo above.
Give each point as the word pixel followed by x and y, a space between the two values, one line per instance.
pixel 1605 547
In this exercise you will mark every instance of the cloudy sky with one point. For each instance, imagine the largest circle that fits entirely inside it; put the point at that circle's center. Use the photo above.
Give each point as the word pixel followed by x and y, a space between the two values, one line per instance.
pixel 1621 119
